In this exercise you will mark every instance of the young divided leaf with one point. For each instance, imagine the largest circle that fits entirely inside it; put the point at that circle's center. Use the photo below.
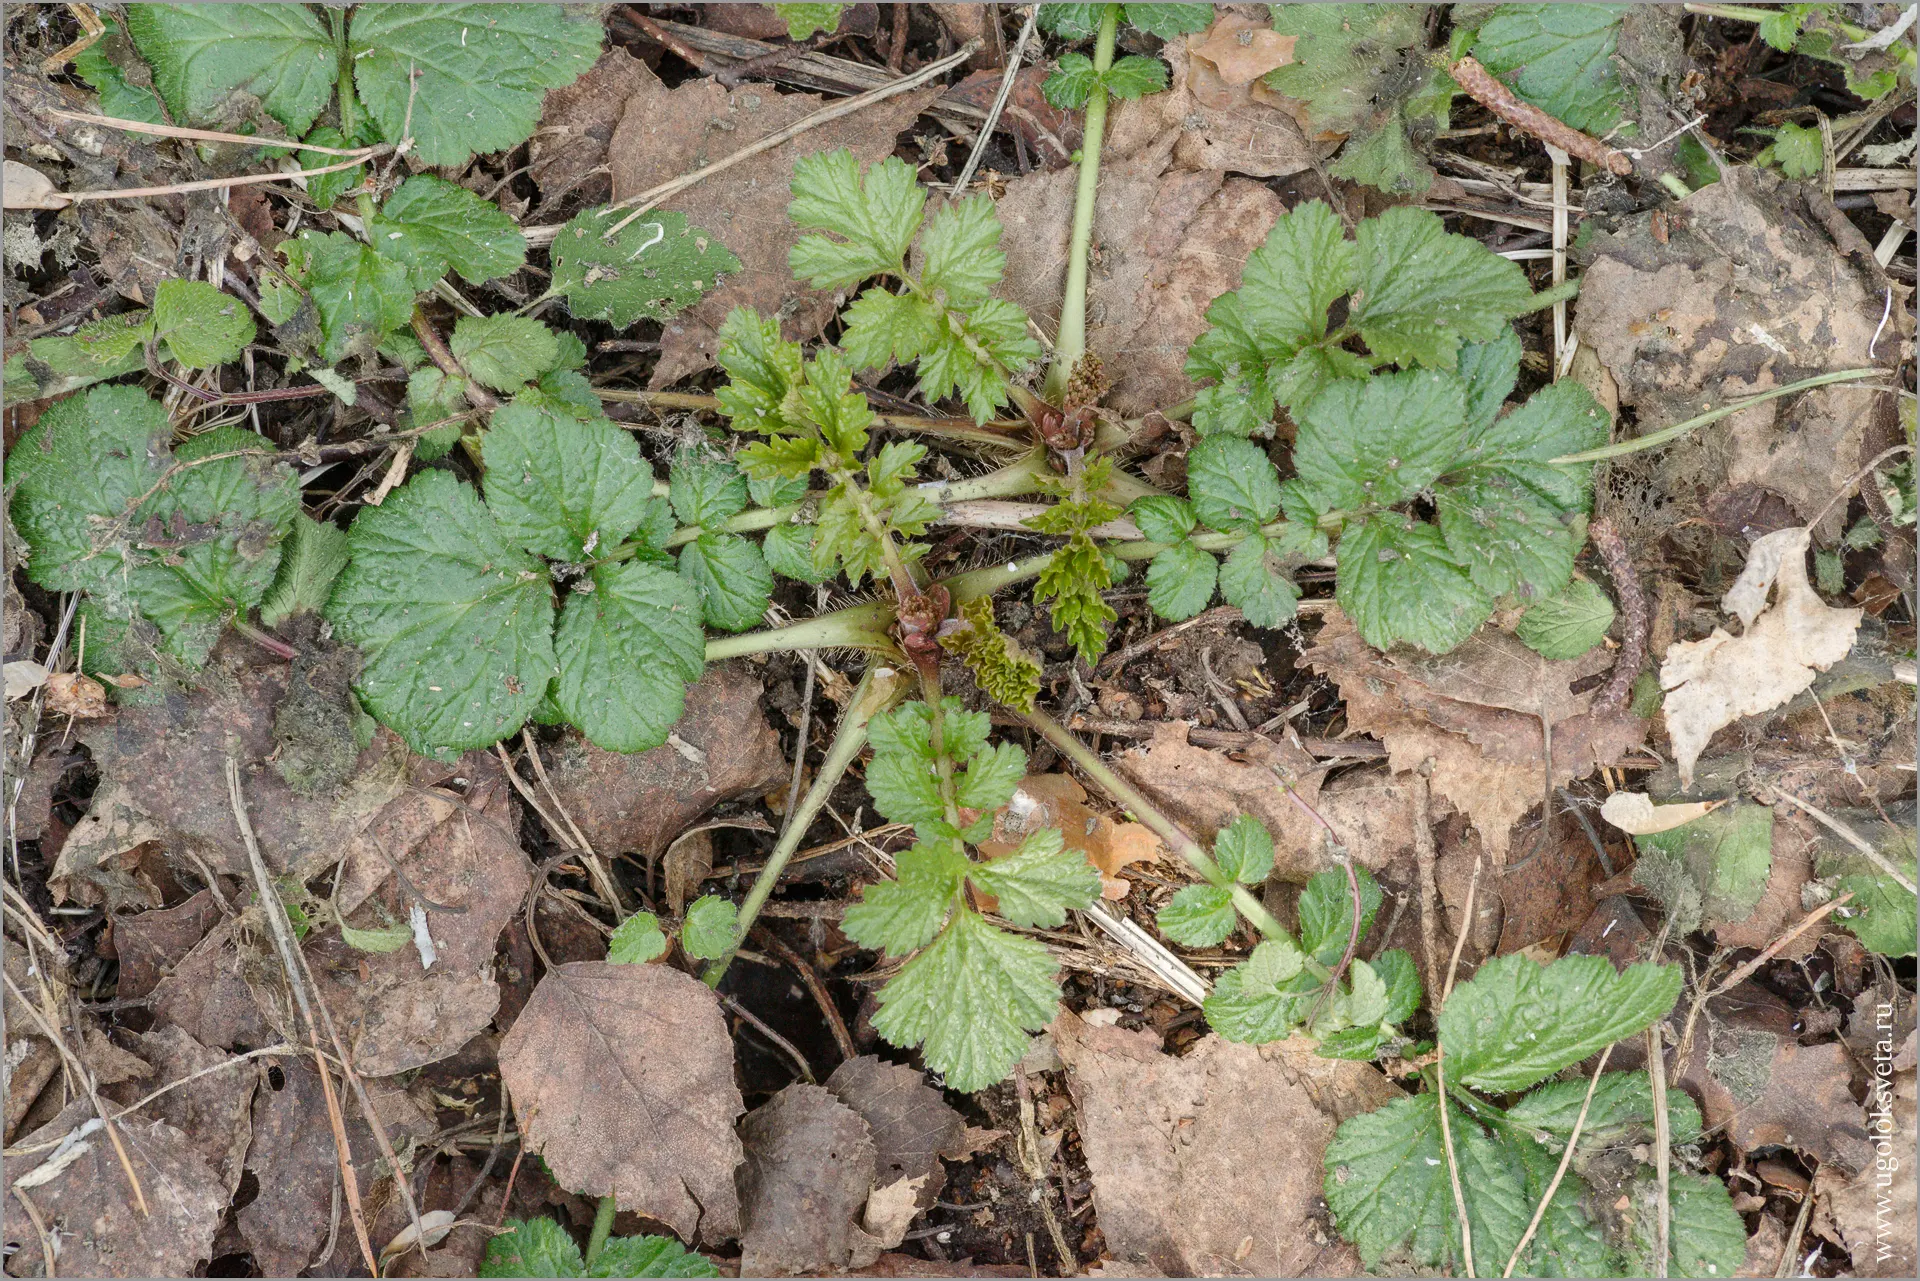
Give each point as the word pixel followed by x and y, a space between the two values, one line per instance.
pixel 542 1248
pixel 1000 665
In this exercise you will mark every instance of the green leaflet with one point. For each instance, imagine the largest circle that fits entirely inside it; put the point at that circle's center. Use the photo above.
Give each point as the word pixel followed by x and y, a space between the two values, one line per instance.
pixel 654 268
pixel 732 578
pixel 358 295
pixel 706 493
pixel 1244 850
pixel 203 53
pixel 482 70
pixel 707 933
pixel 1568 623
pixel 432 226
pixel 806 20
pixel 638 940
pixel 1882 912
pixel 1037 882
pixel 1233 484
pixel 1559 57
pixel 119 97
pixel 561 486
pixel 1198 916
pixel 626 652
pixel 201 326
pixel 1254 579
pixel 1180 581
pixel 53 366
pixel 542 1248
pixel 905 913
pixel 1425 289
pixel 1728 855
pixel 1514 1023
pixel 1797 149
pixel 1400 581
pixel 1326 912
pixel 1000 665
pixel 1707 1235
pixel 504 352
pixel 1379 442
pixel 456 622
pixel 1622 1107
pixel 1077 573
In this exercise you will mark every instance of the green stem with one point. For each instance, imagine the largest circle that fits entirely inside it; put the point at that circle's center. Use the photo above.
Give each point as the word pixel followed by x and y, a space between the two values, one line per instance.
pixel 349 105
pixel 878 689
pixel 1165 828
pixel 1565 291
pixel 1071 342
pixel 860 627
pixel 1622 448
pixel 602 1229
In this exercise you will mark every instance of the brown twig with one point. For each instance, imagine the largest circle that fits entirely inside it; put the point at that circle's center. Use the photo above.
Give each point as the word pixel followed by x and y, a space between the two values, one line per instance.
pixel 759 1025
pixel 1612 550
pixel 653 31
pixel 1566 1158
pixel 1480 85
pixel 821 997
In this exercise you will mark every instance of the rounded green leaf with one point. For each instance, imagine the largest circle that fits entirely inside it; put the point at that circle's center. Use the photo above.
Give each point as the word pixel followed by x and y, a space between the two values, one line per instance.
pixel 732 578
pixel 1244 850
pixel 201 325
pixel 1255 581
pixel 563 487
pixel 1569 623
pixel 504 352
pixel 707 933
pixel 455 621
pixel 627 650
pixel 203 53
pixel 1233 484
pixel 1198 916
pixel 652 269
pixel 1180 581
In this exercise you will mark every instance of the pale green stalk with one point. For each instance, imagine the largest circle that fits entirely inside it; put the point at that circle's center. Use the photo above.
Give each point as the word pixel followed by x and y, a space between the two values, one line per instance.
pixel 1656 439
pixel 1071 342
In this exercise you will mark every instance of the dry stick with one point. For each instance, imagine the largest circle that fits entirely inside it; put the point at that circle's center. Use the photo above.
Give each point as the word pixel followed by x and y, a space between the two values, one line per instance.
pixel 999 104
pixel 1579 1124
pixel 825 115
pixel 1848 835
pixel 1662 1145
pixel 602 879
pixel 209 135
pixel 1791 1250
pixel 1612 550
pixel 1480 85
pixel 787 1047
pixel 209 184
pixel 1440 1074
pixel 1562 354
pixel 1423 857
pixel 283 944
pixel 818 990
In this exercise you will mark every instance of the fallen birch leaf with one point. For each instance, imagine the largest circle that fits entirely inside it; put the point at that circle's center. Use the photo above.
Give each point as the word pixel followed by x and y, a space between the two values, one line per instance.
pixel 806 1183
pixel 911 1124
pixel 1714 682
pixel 1636 814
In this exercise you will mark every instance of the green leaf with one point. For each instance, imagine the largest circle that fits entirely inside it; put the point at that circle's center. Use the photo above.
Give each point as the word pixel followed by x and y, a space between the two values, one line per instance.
pixel 1344 56
pixel 806 20
pixel 1326 912
pixel 1000 666
pixel 990 777
pixel 1781 27
pixel 650 1256
pixel 1507 538
pixel 1198 916
pixel 201 326
pixel 961 251
pixel 1383 156
pixel 882 328
pixel 1134 77
pixel 311 559
pixel 876 218
pixel 461 79
pixel 1516 1022
pixel 1244 850
pixel 1425 290
pixel 1568 623
pixel 1163 519
pixel 1559 57
pixel 1072 83
pixel 1621 1110
pixel 382 941
pixel 626 652
pixel 533 1248
pixel 431 398
pixel 1400 582
pixel 359 295
pixel 1798 150
pixel 1397 970
pixel 504 352
pixel 707 933
pixel 653 269
pixel 1489 371
pixel 227 516
pixel 53 366
pixel 325 189
pixel 705 492
pixel 762 368
pixel 562 487
pixel 1248 1007
pixel 731 577
pixel 973 363
pixel 1180 581
pixel 1387 1183
pixel 119 97
pixel 1561 418
pixel 1233 484
pixel 901 776
pixel 905 913
pixel 1038 882
pixel 432 225
pixel 203 53
pixel 791 551
pixel 1170 20
pixel 1254 580
pixel 1728 854
pixel 456 622
pixel 1706 1234
pixel 1381 441
pixel 76 477
pixel 968 1000
pixel 638 940
pixel 1070 21
pixel 1272 962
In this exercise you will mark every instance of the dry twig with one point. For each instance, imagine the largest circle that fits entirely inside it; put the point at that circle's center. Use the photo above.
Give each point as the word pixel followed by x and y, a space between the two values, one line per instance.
pixel 1483 88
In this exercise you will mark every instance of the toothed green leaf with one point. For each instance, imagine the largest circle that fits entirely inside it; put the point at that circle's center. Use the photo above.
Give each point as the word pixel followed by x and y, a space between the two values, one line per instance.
pixel 650 1256
pixel 1038 882
pixel 1707 1236
pixel 1232 483
pixel 563 487
pixel 905 913
pixel 706 493
pixel 1004 670
pixel 311 559
pixel 990 777
pixel 1254 580
pixel 1559 57
pixel 1400 582
pixel 1198 916
pixel 1380 441
pixel 1072 82
pixel 627 651
pixel 962 252
pixel 1326 912
pixel 533 1248
pixel 360 296
pixel 203 53
pixel 732 578
pixel 807 20
pixel 504 352
pixel 200 325
pixel 1244 850
pixel 1163 519
pixel 875 217
pixel 653 269
pixel 432 225
pixel 1425 290
pixel 1134 77
pixel 1515 1022
pixel 638 940
pixel 1180 581
pixel 1169 20
pixel 707 933
pixel 1568 623
pixel 119 97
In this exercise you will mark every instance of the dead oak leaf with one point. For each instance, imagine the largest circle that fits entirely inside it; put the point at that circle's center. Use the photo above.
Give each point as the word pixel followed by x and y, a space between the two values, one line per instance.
pixel 622 1080
pixel 1712 683
pixel 665 133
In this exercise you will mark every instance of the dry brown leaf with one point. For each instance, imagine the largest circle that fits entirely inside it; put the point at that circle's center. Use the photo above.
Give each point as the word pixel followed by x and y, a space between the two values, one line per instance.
pixel 1476 714
pixel 149 944
pixel 1849 1209
pixel 90 1204
pixel 71 694
pixel 1192 1156
pixel 637 803
pixel 1636 814
pixel 622 1080
pixel 27 188
pixel 568 152
pixel 1051 135
pixel 665 133
pixel 214 1111
pixel 98 864
pixel 910 1123
pixel 1241 49
pixel 1769 1091
pixel 805 1186
pixel 1057 801
pixel 1746 292
pixel 1712 683
pixel 218 990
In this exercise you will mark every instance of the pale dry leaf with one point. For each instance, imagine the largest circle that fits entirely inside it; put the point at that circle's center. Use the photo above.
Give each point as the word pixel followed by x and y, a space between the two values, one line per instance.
pixel 890 1211
pixel 1058 801
pixel 1712 683
pixel 1871 1213
pixel 1184 1153
pixel 622 1080
pixel 71 694
pixel 912 1126
pixel 806 1182
pixel 97 864
pixel 215 1110
pixel 23 677
pixel 1636 813
pixel 666 133
pixel 28 188
pixel 1240 49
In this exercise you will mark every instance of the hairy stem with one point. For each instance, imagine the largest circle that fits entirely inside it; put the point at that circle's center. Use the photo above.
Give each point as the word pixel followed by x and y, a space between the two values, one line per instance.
pixel 878 689
pixel 1071 342
pixel 1656 439
pixel 602 1229
pixel 998 434
pixel 859 627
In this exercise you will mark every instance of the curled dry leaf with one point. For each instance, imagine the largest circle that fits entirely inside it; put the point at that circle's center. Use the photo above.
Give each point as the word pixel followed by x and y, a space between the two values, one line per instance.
pixel 1477 714
pixel 99 863
pixel 23 677
pixel 1713 682
pixel 622 1080
pixel 71 694
pixel 1240 50
pixel 805 1186
pixel 1636 814
pixel 1057 801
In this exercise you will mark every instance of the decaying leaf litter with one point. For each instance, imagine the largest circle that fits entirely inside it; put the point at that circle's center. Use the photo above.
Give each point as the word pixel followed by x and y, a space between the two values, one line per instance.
pixel 1615 761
